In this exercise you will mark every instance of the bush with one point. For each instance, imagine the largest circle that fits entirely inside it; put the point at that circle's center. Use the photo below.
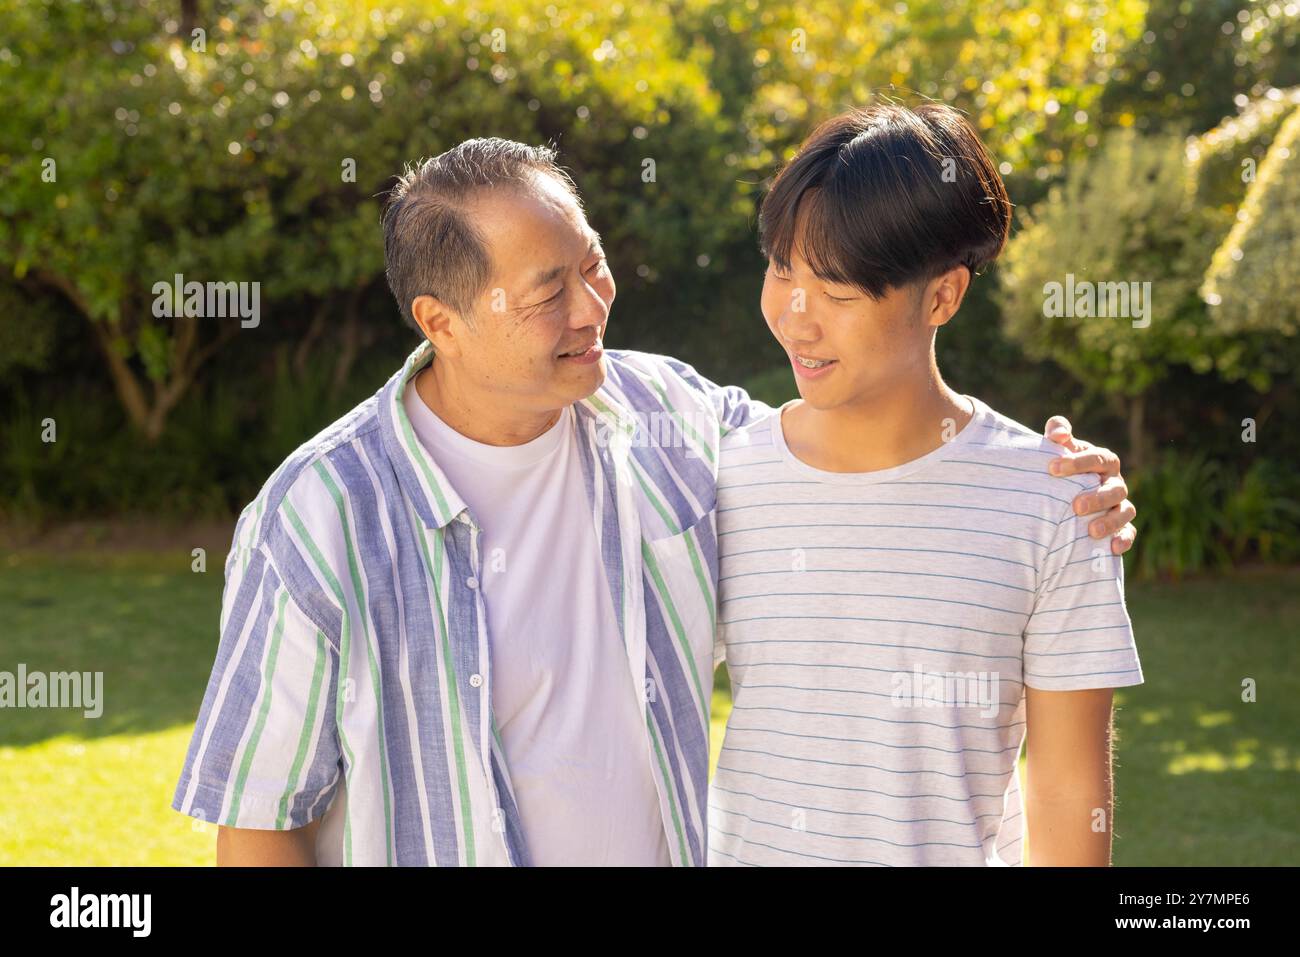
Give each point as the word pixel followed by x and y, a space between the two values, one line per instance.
pixel 1195 515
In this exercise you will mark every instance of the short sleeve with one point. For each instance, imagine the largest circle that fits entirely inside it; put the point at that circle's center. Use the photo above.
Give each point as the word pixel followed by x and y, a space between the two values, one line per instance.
pixel 733 405
pixel 265 752
pixel 1079 634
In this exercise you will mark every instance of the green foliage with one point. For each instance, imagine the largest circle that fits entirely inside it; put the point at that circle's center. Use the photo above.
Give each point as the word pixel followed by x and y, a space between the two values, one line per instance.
pixel 226 161
pixel 1182 524
pixel 1252 283
pixel 1124 215
pixel 775 387
pixel 26 332
pixel 1261 517
pixel 232 161
pixel 1196 59
pixel 1197 515
pixel 1225 160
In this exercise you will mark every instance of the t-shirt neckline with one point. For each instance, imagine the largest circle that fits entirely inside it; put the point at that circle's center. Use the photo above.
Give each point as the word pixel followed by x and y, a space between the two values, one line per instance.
pixel 441 438
pixel 979 418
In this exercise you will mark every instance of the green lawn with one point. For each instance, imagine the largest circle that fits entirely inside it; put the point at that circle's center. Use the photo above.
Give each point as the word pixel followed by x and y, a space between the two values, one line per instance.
pixel 1202 778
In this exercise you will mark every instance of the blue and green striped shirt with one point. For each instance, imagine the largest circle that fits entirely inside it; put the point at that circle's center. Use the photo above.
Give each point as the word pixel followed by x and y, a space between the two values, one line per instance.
pixel 352 678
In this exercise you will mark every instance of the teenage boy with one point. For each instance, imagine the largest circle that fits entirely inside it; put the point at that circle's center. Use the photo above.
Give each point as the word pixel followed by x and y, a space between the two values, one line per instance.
pixel 906 594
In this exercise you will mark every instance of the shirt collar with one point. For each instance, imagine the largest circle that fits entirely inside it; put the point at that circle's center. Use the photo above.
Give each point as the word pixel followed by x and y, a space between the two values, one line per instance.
pixel 425 484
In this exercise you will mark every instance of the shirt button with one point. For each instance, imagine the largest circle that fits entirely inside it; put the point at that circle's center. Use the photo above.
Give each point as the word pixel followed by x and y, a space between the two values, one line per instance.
pixel 475 680
pixel 472 582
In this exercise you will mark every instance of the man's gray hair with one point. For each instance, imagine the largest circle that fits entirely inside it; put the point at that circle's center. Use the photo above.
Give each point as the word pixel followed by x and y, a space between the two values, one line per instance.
pixel 431 247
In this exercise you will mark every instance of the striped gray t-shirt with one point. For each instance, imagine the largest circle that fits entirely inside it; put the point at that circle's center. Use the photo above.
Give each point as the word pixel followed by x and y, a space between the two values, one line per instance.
pixel 879 629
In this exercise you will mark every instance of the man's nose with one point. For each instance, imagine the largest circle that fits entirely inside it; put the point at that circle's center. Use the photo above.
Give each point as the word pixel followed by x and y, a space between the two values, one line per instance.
pixel 589 309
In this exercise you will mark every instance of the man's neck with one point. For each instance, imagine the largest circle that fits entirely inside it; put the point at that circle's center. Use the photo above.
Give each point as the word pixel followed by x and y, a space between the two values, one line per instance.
pixel 475 416
pixel 877 432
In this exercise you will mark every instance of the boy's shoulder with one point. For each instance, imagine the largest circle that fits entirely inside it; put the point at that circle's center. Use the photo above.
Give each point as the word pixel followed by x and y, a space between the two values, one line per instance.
pixel 756 435
pixel 999 443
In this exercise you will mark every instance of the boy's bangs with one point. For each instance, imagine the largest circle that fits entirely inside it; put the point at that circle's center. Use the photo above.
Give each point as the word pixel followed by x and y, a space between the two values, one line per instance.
pixel 809 225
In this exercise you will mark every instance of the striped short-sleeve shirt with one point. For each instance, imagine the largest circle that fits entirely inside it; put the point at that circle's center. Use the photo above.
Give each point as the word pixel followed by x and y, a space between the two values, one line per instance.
pixel 880 629
pixel 353 675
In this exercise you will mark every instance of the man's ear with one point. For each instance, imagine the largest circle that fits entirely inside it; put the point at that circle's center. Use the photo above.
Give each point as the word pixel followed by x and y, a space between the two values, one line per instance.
pixel 439 323
pixel 946 294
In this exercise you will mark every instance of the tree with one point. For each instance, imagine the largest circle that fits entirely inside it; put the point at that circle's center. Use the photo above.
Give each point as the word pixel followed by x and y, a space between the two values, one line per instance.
pixel 259 150
pixel 1252 284
pixel 1125 215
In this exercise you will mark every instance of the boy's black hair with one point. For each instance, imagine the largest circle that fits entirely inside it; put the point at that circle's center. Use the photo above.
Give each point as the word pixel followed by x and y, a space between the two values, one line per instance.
pixel 888 196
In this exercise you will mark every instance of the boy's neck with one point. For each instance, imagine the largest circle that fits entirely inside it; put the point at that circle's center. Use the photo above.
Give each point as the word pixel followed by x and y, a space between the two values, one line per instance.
pixel 879 431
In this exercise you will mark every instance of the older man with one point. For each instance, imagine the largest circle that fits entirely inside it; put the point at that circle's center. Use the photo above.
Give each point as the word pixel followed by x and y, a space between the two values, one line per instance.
pixel 472 621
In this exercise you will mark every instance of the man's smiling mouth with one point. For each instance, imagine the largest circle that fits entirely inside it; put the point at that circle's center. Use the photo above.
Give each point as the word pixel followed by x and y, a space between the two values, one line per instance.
pixel 587 353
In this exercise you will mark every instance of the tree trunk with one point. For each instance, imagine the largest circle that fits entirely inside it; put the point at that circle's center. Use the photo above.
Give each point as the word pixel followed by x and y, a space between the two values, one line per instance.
pixel 354 336
pixel 147 414
pixel 1139 451
pixel 189 16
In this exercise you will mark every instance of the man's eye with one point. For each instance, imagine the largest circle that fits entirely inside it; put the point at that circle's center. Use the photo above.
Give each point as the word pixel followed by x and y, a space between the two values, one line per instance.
pixel 552 299
pixel 838 299
pixel 598 264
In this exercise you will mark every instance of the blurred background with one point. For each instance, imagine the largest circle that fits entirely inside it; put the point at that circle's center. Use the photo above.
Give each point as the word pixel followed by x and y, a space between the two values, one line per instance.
pixel 1140 141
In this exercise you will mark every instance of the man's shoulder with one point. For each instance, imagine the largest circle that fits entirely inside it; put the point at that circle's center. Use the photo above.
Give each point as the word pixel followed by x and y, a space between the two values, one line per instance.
pixel 298 480
pixel 647 381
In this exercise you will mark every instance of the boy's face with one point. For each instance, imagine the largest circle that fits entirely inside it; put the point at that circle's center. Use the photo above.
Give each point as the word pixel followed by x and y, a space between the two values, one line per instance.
pixel 872 346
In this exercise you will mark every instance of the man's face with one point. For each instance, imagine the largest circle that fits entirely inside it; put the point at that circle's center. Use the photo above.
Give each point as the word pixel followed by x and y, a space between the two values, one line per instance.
pixel 548 298
pixel 872 346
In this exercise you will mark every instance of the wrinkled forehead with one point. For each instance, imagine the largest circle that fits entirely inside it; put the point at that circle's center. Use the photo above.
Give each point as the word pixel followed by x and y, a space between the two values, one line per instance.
pixel 532 232
pixel 529 229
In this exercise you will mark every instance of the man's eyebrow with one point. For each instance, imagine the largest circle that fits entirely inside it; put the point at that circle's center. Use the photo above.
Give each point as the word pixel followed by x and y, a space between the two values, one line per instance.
pixel 550 275
pixel 544 277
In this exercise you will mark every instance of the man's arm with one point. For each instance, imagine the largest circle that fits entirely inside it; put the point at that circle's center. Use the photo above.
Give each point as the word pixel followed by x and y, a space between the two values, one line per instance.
pixel 247 847
pixel 731 405
pixel 1068 792
pixel 276 672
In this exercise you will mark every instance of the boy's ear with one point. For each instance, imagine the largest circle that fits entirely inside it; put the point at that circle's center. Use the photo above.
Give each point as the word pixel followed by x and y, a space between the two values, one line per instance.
pixel 945 294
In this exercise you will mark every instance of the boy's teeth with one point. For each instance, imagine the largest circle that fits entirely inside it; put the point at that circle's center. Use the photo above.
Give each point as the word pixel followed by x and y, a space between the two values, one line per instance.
pixel 812 363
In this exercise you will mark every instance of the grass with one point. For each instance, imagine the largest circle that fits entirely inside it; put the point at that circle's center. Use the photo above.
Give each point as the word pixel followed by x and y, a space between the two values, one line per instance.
pixel 1202 778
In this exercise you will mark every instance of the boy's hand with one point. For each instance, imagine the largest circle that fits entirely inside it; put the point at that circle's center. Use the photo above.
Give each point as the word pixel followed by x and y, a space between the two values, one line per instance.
pixel 1111 496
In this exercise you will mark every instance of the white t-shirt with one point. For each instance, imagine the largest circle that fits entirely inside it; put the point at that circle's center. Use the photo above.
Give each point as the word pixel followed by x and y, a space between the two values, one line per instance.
pixel 879 630
pixel 568 711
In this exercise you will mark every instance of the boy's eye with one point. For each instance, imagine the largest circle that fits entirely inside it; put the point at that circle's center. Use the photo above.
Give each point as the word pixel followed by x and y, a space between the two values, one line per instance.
pixel 838 299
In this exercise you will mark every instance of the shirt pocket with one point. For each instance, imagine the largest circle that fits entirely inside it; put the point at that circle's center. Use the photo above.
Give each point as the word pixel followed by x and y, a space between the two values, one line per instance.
pixel 680 590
